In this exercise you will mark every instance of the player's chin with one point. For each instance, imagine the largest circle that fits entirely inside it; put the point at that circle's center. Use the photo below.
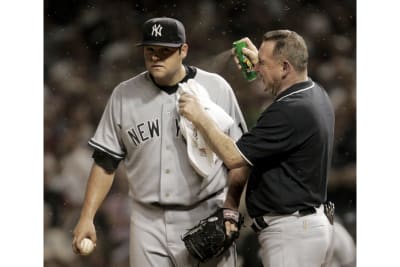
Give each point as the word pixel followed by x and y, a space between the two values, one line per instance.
pixel 157 73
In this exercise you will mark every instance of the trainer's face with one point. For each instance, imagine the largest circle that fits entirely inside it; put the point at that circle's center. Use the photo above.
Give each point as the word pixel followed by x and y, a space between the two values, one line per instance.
pixel 269 67
pixel 165 63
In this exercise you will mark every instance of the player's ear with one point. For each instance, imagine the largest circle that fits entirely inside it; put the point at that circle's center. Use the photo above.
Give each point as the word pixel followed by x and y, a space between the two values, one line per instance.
pixel 286 68
pixel 184 50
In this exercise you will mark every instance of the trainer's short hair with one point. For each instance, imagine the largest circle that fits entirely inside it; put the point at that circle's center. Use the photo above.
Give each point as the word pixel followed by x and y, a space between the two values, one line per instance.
pixel 289 45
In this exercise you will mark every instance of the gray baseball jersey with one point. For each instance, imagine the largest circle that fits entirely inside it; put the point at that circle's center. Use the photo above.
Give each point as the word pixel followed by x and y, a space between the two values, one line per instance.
pixel 140 125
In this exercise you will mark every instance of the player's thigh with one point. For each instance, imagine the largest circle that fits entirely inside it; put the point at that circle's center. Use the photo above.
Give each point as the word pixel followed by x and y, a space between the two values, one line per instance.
pixel 227 259
pixel 147 249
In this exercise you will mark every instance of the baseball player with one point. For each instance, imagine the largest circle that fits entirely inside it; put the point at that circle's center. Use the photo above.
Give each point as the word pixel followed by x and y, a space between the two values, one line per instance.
pixel 289 151
pixel 140 126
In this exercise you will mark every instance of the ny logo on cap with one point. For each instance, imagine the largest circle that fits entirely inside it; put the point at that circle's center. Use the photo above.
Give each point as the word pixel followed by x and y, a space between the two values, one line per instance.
pixel 156 30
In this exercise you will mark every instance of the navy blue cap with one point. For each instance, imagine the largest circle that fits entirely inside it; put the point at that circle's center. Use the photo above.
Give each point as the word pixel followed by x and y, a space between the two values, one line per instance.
pixel 164 32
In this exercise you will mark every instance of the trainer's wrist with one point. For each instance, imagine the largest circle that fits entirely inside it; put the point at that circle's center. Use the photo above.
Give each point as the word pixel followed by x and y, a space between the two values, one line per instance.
pixel 231 203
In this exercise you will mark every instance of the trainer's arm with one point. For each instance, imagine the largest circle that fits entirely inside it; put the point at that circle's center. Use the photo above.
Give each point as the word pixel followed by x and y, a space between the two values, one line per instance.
pixel 236 183
pixel 223 145
pixel 98 186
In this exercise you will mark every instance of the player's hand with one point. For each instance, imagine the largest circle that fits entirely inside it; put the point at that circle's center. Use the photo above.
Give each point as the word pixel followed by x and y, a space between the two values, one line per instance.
pixel 84 228
pixel 190 108
pixel 250 51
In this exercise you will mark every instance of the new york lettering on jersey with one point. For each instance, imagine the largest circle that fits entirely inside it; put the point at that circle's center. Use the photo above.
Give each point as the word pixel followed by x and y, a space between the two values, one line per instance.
pixel 144 131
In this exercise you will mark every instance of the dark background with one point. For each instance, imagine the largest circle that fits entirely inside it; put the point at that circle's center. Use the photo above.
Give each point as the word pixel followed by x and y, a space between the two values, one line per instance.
pixel 89 47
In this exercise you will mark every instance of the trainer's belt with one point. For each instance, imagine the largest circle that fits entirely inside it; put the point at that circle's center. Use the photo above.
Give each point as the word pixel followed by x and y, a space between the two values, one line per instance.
pixel 185 207
pixel 259 223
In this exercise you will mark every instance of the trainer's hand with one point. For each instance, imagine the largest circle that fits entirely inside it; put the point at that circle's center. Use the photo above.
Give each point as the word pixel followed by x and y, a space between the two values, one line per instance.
pixel 84 228
pixel 191 109
pixel 250 51
pixel 230 228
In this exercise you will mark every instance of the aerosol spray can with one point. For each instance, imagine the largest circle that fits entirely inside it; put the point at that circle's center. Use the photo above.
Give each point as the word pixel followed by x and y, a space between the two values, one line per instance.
pixel 245 63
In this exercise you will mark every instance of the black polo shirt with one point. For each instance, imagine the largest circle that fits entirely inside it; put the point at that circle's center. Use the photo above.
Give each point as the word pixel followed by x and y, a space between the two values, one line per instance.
pixel 290 149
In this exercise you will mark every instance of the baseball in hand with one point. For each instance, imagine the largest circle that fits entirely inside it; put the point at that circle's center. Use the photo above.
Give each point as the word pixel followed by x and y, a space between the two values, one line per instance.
pixel 86 246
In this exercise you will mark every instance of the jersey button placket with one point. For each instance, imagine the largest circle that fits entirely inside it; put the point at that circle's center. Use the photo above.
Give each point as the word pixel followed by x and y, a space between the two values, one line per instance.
pixel 167 170
pixel 167 194
pixel 166 182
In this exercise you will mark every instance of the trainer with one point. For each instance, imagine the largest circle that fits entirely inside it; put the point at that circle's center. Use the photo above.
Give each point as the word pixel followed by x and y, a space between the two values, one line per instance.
pixel 288 151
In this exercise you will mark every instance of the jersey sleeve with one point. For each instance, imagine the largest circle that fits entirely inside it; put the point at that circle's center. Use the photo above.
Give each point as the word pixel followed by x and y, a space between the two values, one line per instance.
pixel 107 137
pixel 269 139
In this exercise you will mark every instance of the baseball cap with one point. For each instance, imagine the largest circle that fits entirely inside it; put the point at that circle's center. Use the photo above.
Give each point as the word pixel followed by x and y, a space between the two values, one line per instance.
pixel 163 31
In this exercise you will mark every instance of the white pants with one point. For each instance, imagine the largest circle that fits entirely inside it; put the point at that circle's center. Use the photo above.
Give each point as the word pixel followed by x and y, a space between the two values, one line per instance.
pixel 155 239
pixel 296 241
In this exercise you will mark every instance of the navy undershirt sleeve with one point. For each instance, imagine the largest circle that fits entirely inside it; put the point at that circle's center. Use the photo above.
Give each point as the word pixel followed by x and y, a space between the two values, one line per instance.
pixel 106 161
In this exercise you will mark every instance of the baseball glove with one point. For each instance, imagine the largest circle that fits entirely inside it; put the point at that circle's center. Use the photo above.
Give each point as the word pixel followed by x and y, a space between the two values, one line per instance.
pixel 208 238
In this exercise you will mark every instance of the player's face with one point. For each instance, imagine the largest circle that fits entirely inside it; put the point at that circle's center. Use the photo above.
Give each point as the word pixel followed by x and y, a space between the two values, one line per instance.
pixel 269 68
pixel 165 63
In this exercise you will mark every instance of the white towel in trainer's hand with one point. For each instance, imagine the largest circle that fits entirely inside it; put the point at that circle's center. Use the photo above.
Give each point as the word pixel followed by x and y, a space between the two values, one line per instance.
pixel 201 157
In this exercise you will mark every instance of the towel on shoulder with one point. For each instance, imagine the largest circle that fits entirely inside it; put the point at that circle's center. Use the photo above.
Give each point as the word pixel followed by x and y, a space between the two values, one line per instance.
pixel 201 157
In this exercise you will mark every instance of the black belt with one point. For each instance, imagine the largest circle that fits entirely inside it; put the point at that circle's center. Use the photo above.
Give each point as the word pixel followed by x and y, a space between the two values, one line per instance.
pixel 307 211
pixel 260 224
pixel 185 207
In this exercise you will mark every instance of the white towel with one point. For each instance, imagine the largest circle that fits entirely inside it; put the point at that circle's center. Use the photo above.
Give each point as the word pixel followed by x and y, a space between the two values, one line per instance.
pixel 201 157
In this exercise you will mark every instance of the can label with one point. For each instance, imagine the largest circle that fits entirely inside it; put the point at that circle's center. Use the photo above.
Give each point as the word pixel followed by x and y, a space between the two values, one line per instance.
pixel 247 67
